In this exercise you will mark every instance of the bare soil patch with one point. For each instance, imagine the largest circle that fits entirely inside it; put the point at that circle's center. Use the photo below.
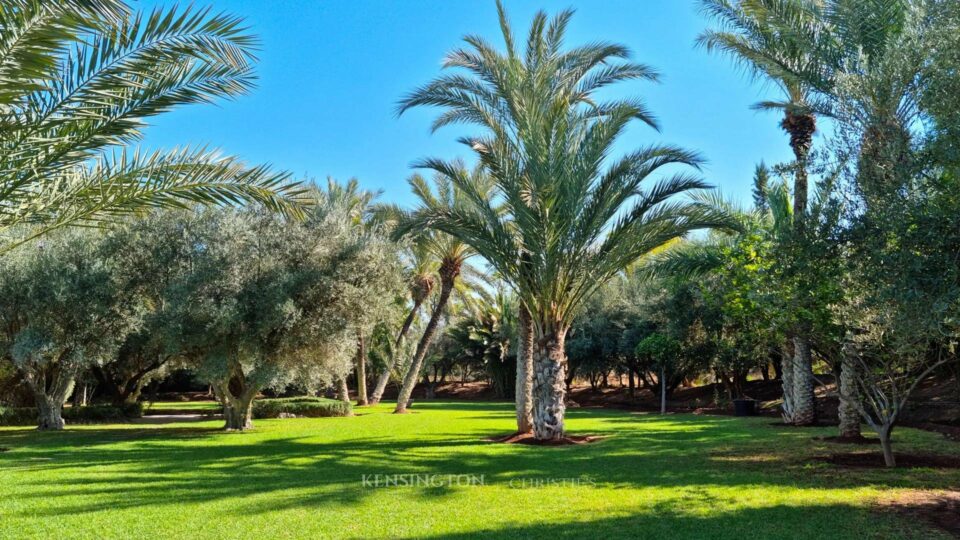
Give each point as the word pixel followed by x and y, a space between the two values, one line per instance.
pixel 848 440
pixel 527 438
pixel 942 509
pixel 875 460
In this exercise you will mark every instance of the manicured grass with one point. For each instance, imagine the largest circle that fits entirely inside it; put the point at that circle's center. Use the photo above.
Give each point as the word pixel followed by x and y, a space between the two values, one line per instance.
pixel 679 476
pixel 199 406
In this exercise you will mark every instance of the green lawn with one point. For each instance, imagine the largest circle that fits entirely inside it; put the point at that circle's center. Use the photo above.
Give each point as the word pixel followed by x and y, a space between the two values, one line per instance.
pixel 679 476
pixel 183 406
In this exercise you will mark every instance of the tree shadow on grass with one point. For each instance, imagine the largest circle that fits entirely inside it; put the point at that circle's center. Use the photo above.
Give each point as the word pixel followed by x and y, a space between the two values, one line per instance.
pixel 664 521
pixel 116 468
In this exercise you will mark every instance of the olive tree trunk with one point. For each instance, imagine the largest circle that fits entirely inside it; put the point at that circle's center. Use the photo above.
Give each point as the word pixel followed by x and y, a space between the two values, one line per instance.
pixel 805 405
pixel 448 276
pixel 524 387
pixel 549 389
pixel 51 387
pixel 384 377
pixel 237 403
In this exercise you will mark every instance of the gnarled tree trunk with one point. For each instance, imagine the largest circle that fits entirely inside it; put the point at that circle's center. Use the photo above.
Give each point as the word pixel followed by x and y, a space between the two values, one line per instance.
pixel 51 386
pixel 236 395
pixel 805 405
pixel 49 413
pixel 549 389
pixel 524 387
pixel 448 275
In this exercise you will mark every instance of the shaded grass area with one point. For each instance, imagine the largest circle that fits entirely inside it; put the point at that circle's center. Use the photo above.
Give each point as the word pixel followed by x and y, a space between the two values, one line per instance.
pixel 676 476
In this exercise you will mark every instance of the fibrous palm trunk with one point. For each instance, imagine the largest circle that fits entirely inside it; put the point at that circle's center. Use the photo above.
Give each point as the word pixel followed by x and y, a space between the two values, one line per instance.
pixel 549 390
pixel 786 380
pixel 361 371
pixel 384 377
pixel 524 386
pixel 805 405
pixel 448 275
pixel 800 127
pixel 849 410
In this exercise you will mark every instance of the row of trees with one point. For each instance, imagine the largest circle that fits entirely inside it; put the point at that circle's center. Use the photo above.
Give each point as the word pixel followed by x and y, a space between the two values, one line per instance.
pixel 245 298
pixel 861 275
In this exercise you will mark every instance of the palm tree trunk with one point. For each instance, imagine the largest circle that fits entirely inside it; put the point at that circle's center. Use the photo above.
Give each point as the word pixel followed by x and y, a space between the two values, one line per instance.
pixel 549 390
pixel 805 405
pixel 786 380
pixel 524 386
pixel 413 374
pixel 384 377
pixel 801 128
pixel 849 410
pixel 361 371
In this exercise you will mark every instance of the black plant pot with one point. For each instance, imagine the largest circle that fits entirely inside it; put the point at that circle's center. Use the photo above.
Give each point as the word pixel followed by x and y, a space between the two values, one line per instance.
pixel 745 407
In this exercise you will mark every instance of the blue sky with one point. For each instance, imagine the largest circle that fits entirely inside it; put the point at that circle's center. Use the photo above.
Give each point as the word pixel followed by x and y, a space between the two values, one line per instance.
pixel 331 72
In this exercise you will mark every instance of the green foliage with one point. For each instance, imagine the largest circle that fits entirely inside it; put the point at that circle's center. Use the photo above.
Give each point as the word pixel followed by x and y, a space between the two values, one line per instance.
pixel 78 82
pixel 91 414
pixel 566 217
pixel 311 407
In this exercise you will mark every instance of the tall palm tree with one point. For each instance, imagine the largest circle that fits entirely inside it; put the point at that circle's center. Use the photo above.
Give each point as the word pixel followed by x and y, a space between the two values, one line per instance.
pixel 776 40
pixel 449 250
pixel 563 217
pixel 78 79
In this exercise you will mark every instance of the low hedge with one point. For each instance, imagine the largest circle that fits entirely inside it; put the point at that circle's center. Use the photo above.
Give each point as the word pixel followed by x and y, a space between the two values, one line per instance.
pixel 312 407
pixel 91 414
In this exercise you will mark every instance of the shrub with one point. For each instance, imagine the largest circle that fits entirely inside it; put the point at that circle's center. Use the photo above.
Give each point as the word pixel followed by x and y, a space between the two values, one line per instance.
pixel 312 407
pixel 18 416
pixel 27 416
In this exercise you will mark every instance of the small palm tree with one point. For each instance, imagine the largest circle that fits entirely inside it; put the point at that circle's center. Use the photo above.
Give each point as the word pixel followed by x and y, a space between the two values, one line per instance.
pixel 421 282
pixel 78 79
pixel 563 217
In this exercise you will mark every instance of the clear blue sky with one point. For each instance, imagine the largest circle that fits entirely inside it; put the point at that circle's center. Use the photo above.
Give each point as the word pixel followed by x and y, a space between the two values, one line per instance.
pixel 331 72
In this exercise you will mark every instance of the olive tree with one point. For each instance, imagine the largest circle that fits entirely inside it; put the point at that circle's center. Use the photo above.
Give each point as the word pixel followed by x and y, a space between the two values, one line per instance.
pixel 273 301
pixel 59 312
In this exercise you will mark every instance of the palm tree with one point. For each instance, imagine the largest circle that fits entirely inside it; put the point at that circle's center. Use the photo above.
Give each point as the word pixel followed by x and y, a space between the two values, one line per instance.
pixel 78 79
pixel 449 250
pixel 421 280
pixel 563 217
pixel 777 40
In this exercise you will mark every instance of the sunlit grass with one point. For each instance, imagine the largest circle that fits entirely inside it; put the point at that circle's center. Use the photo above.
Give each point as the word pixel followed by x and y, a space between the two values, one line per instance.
pixel 679 476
